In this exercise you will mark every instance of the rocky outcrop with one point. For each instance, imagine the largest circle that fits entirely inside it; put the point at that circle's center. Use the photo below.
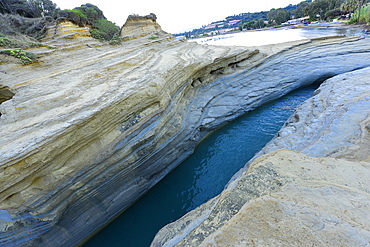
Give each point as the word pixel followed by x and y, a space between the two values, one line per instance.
pixel 288 198
pixel 92 127
pixel 335 122
pixel 284 199
pixel 137 26
pixel 66 30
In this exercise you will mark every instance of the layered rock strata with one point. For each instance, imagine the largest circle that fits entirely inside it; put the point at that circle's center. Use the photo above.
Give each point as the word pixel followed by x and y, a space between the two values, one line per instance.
pixel 286 198
pixel 92 127
pixel 66 30
pixel 138 26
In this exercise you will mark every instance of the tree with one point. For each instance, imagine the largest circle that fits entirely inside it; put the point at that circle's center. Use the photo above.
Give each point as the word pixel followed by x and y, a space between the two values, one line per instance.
pixel 324 8
pixel 104 29
pixel 317 9
pixel 250 25
pixel 278 16
pixel 300 10
pixel 349 6
pixel 260 24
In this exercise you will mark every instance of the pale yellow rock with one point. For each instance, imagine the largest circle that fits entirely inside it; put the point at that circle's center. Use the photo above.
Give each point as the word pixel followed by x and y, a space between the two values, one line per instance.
pixel 285 199
pixel 67 30
pixel 139 26
pixel 324 202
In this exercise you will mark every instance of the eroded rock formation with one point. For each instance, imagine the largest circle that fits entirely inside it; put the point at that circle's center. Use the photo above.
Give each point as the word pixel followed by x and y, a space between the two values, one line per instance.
pixel 92 127
pixel 286 198
pixel 137 26
pixel 66 30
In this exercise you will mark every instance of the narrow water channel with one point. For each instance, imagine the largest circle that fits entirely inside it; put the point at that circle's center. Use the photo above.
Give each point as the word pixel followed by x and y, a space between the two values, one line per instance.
pixel 202 176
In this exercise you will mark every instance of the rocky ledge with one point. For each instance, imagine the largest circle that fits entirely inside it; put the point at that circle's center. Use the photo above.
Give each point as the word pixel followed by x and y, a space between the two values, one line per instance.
pixel 287 198
pixel 89 128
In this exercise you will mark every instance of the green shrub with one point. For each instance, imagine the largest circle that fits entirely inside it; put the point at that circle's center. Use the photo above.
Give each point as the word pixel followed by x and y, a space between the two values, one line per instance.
pixel 6 42
pixel 35 44
pixel 115 42
pixel 24 56
pixel 364 17
pixel 104 30
pixel 89 13
pixel 78 12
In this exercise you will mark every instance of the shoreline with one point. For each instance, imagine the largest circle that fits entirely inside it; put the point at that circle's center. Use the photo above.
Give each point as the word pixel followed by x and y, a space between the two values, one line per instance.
pixel 365 28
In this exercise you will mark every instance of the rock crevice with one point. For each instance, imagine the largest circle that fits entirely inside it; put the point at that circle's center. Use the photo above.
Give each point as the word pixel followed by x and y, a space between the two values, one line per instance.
pixel 288 198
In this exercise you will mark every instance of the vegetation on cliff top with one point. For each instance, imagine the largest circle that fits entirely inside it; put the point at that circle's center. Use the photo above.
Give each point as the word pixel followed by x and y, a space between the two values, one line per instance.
pixel 89 14
pixel 24 22
pixel 24 56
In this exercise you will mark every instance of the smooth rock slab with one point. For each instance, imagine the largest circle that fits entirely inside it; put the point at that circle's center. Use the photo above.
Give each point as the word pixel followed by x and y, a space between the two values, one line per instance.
pixel 333 122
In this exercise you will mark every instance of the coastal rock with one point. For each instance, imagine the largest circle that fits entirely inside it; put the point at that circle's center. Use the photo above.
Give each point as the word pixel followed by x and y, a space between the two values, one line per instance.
pixel 66 30
pixel 5 94
pixel 288 198
pixel 137 26
pixel 284 199
pixel 92 127
pixel 333 122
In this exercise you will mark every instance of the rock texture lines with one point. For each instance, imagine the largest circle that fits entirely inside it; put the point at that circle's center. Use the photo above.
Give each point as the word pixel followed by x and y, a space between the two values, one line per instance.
pixel 286 198
pixel 91 127
pixel 140 26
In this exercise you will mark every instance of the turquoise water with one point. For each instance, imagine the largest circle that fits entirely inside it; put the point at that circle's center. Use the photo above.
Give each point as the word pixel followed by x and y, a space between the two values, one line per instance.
pixel 202 176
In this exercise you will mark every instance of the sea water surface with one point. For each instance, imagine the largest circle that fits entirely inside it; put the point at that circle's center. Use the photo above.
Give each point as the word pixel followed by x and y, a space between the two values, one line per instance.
pixel 275 36
pixel 215 160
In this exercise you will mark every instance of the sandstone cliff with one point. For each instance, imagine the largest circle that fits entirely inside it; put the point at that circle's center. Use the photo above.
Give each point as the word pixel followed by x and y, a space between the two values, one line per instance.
pixel 138 26
pixel 91 127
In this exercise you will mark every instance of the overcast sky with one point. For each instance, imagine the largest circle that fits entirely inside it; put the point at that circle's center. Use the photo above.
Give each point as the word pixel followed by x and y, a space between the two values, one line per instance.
pixel 177 16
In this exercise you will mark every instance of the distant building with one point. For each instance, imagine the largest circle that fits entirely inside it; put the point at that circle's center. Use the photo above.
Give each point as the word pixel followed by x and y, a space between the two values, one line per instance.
pixel 296 21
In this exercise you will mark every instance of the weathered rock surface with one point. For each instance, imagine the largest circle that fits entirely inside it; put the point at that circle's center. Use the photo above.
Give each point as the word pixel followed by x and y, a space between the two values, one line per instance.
pixel 286 198
pixel 66 30
pixel 92 127
pixel 335 122
pixel 138 26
